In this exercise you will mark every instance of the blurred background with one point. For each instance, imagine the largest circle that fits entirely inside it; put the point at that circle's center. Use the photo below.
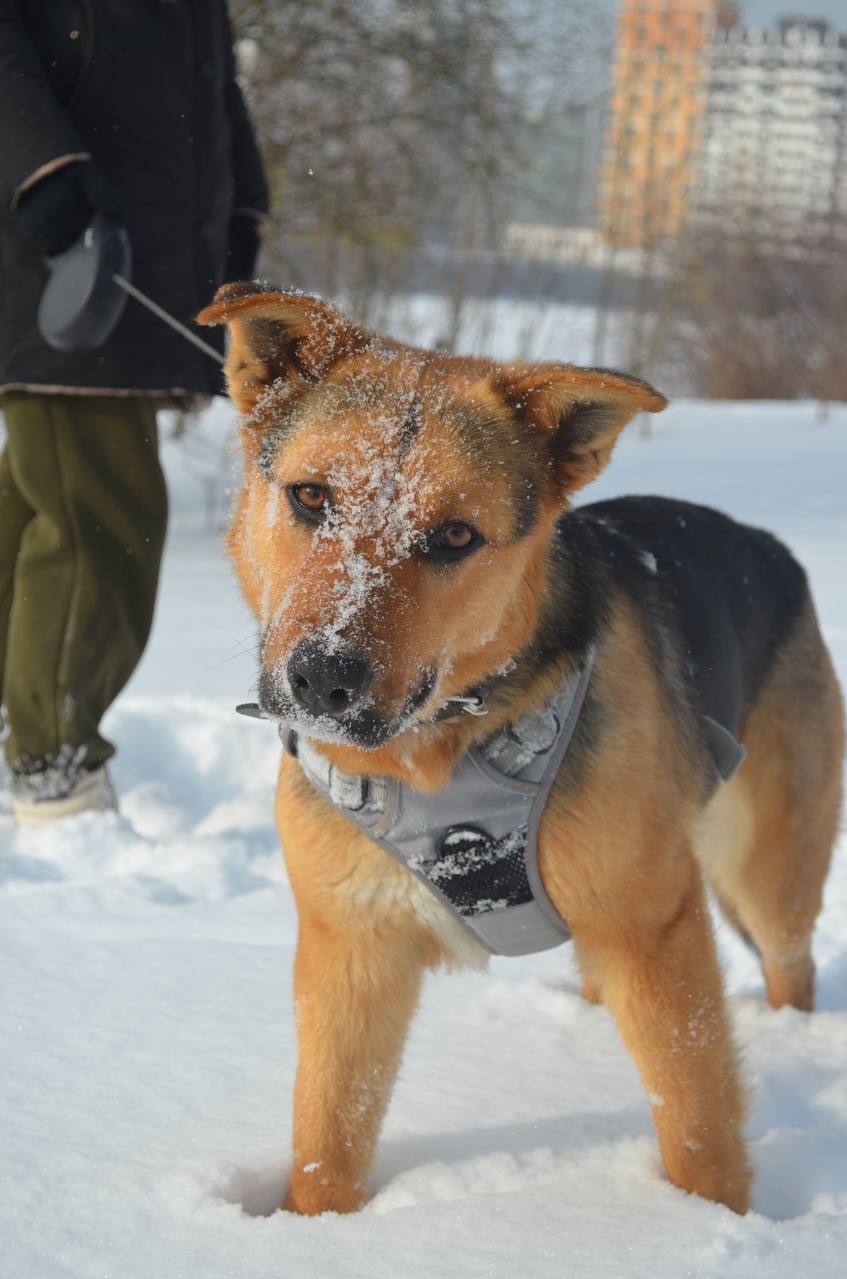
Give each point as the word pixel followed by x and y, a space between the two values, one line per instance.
pixel 650 184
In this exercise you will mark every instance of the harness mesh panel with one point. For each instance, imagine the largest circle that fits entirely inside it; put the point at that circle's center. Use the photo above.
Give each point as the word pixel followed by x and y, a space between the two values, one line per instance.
pixel 477 873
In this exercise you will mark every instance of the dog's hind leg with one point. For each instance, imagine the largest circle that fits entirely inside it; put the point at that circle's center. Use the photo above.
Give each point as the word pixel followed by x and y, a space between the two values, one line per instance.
pixel 662 983
pixel 769 866
pixel 355 996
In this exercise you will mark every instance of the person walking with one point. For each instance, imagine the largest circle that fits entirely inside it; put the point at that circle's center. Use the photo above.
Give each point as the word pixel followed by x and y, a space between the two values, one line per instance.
pixel 131 109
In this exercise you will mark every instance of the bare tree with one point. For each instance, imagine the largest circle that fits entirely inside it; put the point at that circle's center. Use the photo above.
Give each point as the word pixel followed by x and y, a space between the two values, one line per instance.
pixel 752 319
pixel 392 125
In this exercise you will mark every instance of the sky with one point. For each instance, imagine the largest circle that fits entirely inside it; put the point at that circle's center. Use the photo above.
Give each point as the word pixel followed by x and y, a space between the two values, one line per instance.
pixel 757 13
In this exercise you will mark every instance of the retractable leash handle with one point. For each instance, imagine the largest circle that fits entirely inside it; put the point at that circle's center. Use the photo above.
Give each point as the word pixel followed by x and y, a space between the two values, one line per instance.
pixel 80 305
pixel 87 290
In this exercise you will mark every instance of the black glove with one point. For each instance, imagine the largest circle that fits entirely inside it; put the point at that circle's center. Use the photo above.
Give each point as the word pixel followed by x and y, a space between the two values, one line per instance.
pixel 57 209
pixel 242 248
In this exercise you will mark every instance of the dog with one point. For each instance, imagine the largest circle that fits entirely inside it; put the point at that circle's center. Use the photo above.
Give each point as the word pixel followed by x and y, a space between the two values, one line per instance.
pixel 406 540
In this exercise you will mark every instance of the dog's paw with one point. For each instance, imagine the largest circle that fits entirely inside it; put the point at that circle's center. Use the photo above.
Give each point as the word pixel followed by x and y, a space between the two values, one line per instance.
pixel 309 1194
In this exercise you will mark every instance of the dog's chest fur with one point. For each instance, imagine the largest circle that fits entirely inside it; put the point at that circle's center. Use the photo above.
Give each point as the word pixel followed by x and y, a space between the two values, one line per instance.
pixel 358 882
pixel 396 891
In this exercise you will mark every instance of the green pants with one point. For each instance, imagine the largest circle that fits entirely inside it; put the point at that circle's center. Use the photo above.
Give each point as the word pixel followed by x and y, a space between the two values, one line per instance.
pixel 83 510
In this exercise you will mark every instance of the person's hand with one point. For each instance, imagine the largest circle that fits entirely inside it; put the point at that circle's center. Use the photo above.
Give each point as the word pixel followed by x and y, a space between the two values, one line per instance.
pixel 57 209
pixel 242 247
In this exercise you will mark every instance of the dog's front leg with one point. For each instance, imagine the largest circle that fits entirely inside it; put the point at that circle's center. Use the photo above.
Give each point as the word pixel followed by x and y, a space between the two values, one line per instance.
pixel 355 994
pixel 663 985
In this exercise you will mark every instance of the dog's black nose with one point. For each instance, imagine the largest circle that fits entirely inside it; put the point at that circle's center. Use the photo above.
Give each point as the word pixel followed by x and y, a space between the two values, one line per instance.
pixel 328 683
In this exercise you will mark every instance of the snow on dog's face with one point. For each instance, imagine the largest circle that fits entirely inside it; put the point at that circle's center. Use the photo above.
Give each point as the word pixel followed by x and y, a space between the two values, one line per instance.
pixel 393 530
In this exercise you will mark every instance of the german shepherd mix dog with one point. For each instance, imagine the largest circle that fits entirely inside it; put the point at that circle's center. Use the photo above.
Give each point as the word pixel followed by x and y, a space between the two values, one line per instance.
pixel 406 541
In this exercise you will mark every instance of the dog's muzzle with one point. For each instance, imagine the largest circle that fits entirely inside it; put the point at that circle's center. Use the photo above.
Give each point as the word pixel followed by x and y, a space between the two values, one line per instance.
pixel 330 695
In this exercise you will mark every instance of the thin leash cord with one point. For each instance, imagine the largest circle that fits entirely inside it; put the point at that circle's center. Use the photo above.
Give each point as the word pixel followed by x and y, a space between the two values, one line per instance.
pixel 167 317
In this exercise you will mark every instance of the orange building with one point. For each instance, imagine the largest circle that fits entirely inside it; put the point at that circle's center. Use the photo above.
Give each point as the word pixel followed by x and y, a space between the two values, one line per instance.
pixel 656 107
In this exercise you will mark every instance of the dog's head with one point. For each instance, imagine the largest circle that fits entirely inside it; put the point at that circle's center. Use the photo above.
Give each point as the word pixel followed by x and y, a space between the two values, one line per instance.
pixel 398 507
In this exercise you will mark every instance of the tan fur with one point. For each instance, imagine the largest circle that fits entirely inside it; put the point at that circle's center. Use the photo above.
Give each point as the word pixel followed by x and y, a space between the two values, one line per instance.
pixel 771 883
pixel 617 851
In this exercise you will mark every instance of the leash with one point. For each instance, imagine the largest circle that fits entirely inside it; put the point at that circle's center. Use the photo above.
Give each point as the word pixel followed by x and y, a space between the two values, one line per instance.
pixel 182 329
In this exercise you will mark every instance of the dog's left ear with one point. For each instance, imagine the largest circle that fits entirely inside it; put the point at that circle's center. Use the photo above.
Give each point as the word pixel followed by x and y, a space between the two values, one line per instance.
pixel 582 411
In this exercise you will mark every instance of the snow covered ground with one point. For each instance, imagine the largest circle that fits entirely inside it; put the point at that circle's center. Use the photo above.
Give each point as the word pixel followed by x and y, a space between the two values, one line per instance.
pixel 145 1008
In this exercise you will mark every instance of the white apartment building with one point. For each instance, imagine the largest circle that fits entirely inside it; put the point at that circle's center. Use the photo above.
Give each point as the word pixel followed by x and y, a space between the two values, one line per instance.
pixel 773 147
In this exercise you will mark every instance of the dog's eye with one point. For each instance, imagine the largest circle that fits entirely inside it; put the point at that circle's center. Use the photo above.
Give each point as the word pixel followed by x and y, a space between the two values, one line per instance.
pixel 456 536
pixel 308 499
pixel 452 541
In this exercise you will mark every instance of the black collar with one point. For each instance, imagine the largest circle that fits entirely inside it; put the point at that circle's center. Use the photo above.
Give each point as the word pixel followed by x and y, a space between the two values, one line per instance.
pixel 473 702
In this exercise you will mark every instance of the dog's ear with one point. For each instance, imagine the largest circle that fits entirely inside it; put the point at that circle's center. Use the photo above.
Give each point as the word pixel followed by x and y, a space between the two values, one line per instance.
pixel 278 338
pixel 582 411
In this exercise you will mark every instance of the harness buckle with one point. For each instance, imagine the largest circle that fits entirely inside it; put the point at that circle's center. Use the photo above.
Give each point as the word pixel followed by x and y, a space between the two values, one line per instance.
pixel 473 705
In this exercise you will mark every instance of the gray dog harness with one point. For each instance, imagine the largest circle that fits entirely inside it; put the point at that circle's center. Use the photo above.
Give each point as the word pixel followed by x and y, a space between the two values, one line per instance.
pixel 474 844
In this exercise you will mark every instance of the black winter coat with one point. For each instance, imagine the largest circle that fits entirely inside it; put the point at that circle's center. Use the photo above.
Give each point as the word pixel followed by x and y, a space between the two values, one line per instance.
pixel 148 88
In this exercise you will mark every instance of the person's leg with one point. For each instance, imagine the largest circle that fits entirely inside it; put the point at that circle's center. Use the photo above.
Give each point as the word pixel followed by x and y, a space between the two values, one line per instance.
pixel 86 576
pixel 15 514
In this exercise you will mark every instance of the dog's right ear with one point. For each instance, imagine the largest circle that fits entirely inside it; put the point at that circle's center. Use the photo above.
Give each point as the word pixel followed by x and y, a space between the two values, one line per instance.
pixel 278 339
pixel 580 411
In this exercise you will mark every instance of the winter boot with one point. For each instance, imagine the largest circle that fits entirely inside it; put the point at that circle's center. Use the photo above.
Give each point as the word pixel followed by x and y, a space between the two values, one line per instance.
pixel 91 792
